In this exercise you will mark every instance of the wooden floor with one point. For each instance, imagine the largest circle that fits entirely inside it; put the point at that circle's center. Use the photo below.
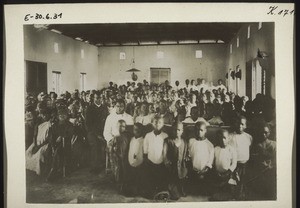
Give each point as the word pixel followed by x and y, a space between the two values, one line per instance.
pixel 84 187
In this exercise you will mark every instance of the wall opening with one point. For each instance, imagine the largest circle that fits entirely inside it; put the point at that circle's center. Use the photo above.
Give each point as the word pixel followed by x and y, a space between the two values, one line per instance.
pixel 56 82
pixel 36 77
pixel 82 81
pixel 160 75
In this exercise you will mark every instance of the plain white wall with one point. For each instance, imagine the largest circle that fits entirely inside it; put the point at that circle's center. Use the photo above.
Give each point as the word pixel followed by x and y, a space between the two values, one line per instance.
pixel 39 46
pixel 103 64
pixel 247 50
pixel 180 58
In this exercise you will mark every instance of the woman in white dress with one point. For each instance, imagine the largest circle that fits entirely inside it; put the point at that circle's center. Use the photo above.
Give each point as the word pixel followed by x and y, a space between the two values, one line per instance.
pixel 39 152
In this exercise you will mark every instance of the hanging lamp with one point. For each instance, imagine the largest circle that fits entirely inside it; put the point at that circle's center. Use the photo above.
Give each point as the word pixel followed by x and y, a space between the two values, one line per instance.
pixel 133 69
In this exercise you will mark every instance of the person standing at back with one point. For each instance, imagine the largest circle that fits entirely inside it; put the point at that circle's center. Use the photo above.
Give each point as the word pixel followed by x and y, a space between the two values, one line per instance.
pixel 111 129
pixel 96 114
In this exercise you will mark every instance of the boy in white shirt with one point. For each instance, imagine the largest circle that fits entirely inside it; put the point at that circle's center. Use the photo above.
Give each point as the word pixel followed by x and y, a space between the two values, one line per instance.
pixel 119 153
pixel 241 141
pixel 135 161
pixel 191 103
pixel 221 86
pixel 202 87
pixel 201 152
pixel 264 161
pixel 193 86
pixel 225 159
pixel 111 129
pixel 187 85
pixel 144 118
pixel 153 156
pixel 189 122
pixel 111 124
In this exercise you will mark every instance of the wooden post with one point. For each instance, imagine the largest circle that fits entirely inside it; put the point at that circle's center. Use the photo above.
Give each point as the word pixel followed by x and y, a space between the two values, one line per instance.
pixel 64 160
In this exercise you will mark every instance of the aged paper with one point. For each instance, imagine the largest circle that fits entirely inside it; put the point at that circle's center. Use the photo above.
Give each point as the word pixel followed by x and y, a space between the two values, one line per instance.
pixel 17 15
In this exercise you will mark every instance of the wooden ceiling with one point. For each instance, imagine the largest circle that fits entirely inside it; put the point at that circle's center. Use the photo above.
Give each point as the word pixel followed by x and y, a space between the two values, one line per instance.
pixel 143 33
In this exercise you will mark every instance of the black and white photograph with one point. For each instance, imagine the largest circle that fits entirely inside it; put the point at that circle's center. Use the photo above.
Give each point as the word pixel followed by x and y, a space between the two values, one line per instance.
pixel 149 112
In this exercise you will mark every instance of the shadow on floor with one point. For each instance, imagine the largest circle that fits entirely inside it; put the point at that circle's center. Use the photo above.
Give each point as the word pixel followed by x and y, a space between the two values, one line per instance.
pixel 83 187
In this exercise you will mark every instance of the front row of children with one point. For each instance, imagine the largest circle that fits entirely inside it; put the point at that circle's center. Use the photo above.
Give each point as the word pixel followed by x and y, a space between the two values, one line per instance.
pixel 160 164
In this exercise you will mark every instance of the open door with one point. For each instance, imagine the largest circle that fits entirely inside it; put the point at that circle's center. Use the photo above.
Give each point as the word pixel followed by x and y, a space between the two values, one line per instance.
pixel 255 79
pixel 249 79
pixel 36 77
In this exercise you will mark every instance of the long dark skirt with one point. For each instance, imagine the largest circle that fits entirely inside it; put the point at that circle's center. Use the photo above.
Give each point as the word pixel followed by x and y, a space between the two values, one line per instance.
pixel 155 178
pixel 133 183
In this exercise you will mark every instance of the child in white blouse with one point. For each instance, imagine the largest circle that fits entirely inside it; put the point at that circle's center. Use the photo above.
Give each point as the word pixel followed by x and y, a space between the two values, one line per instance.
pixel 225 160
pixel 201 153
pixel 241 141
pixel 135 161
pixel 202 160
pixel 143 117
pixel 155 172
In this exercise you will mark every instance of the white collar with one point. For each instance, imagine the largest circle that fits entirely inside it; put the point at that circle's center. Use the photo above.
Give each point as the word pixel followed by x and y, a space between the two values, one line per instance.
pixel 121 115
pixel 137 138
pixel 97 105
pixel 157 134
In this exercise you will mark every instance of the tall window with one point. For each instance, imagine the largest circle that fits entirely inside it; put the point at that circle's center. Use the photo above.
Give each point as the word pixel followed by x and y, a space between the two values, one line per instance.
pixel 237 82
pixel 160 75
pixel 258 79
pixel 263 86
pixel 249 32
pixel 82 81
pixel 56 82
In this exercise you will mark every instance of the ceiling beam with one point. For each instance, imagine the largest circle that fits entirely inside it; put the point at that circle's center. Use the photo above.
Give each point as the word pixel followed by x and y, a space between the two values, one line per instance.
pixel 146 32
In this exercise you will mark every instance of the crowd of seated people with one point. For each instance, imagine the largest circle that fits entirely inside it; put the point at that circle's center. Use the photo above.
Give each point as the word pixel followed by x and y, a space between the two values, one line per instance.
pixel 156 140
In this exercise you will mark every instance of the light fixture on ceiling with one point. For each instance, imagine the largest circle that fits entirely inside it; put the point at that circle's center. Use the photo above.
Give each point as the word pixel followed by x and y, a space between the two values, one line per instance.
pixel 112 44
pixel 56 31
pixel 167 42
pixel 99 44
pixel 148 43
pixel 130 44
pixel 41 27
pixel 80 39
pixel 220 41
pixel 188 41
pixel 133 69
pixel 207 41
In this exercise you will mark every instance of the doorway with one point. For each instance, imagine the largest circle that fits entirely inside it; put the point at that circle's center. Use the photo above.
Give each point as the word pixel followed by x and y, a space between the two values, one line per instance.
pixel 160 75
pixel 82 81
pixel 36 77
pixel 255 79
pixel 56 82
